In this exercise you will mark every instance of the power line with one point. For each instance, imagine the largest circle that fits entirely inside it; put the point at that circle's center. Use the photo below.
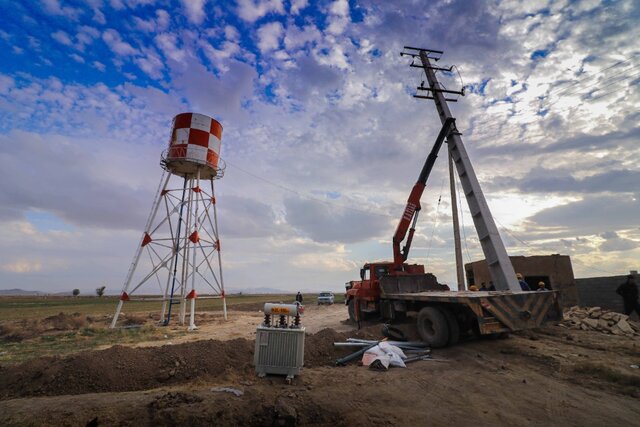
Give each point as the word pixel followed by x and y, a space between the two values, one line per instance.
pixel 495 124
pixel 591 76
pixel 307 196
pixel 435 224
pixel 464 233
pixel 492 124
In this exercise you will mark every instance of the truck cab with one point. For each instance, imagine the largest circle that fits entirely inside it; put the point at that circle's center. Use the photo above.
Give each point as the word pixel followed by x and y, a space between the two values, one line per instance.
pixel 366 292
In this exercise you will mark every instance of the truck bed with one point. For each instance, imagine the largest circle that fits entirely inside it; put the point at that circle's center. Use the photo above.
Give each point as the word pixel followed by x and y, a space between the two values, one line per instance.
pixel 497 311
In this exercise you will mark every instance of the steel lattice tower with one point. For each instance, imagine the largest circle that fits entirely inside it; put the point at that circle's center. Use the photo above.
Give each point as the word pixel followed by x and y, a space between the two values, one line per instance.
pixel 181 238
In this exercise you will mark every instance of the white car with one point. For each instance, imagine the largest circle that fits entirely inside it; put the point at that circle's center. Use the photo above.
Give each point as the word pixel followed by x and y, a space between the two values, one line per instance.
pixel 326 298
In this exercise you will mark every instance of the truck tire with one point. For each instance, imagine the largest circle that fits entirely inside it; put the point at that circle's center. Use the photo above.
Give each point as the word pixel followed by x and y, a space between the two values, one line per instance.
pixel 352 310
pixel 454 326
pixel 433 327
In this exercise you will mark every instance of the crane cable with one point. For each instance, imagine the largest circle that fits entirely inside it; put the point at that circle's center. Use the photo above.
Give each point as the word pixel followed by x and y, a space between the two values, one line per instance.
pixel 435 224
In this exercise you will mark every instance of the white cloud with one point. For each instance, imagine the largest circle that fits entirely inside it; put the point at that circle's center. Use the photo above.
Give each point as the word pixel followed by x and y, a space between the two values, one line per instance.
pixel 339 17
pixel 297 37
pixel 219 57
pixel 62 37
pixel 231 33
pixel 339 7
pixel 298 5
pixel 151 64
pixel 79 59
pixel 162 19
pixel 120 47
pixel 98 65
pixel 53 7
pixel 168 43
pixel 160 23
pixel 23 266
pixel 194 9
pixel 252 10
pixel 269 36
pixel 85 36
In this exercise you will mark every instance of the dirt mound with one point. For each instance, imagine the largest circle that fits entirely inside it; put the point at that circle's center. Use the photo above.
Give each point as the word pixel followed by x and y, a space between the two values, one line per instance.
pixel 124 369
pixel 320 351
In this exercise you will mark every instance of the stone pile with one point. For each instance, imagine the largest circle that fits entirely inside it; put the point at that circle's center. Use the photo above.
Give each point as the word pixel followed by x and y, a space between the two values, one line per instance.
pixel 598 319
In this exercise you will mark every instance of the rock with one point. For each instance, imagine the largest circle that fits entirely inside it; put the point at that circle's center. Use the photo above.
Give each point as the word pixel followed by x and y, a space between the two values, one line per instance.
pixel 609 316
pixel 625 327
pixel 615 330
pixel 591 323
pixel 286 414
pixel 603 324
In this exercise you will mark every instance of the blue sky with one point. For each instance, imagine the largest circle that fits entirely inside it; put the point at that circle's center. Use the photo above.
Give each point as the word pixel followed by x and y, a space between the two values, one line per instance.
pixel 322 138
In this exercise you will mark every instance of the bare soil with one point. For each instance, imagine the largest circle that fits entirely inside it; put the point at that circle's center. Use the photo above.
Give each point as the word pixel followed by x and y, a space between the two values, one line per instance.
pixel 552 376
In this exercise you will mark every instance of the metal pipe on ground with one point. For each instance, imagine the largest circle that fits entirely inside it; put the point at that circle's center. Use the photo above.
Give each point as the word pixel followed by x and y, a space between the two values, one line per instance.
pixel 352 356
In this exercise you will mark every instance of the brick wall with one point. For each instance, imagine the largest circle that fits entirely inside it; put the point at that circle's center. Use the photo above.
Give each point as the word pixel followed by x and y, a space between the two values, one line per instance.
pixel 556 268
pixel 601 292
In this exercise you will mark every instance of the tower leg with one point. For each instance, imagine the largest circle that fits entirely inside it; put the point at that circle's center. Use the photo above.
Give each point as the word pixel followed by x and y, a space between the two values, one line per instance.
pixel 136 258
pixel 224 307
pixel 115 316
pixel 195 242
pixel 176 253
pixel 215 219
pixel 192 317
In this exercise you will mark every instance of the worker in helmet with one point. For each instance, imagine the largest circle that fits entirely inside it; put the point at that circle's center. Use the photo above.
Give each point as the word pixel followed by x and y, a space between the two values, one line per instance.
pixel 473 288
pixel 523 285
pixel 542 286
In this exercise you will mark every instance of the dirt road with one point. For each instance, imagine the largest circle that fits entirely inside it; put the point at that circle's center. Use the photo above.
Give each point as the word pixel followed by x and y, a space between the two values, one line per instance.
pixel 553 376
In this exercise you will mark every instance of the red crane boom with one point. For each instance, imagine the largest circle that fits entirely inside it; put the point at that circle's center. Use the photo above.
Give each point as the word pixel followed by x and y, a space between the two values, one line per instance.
pixel 412 209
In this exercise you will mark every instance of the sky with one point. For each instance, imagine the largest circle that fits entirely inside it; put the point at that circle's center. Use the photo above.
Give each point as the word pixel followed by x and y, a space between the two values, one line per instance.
pixel 322 138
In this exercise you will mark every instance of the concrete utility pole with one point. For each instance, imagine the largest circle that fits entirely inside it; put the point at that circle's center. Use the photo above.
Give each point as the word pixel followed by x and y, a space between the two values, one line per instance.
pixel 456 227
pixel 500 267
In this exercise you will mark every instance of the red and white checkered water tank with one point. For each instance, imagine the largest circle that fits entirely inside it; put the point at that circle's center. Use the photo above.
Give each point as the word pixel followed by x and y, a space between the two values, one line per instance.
pixel 194 145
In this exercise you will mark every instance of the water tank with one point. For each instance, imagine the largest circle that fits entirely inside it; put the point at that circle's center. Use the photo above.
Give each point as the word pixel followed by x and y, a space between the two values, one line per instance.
pixel 194 145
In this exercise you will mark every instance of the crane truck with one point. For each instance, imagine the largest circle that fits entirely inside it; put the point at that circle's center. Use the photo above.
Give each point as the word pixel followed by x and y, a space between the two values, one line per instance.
pixel 393 289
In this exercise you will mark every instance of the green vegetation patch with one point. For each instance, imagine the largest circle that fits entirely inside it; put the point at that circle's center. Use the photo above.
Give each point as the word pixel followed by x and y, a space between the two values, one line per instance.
pixel 64 343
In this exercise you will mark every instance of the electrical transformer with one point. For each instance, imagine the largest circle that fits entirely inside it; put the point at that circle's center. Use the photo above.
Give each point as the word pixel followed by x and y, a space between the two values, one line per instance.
pixel 280 341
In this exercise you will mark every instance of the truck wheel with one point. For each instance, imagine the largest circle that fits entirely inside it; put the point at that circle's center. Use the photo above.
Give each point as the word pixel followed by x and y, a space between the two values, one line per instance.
pixel 454 327
pixel 352 310
pixel 433 327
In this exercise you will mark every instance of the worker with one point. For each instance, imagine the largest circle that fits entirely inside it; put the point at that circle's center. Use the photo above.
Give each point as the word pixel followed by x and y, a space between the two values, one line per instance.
pixel 483 287
pixel 473 288
pixel 629 293
pixel 542 286
pixel 299 297
pixel 523 285
pixel 492 287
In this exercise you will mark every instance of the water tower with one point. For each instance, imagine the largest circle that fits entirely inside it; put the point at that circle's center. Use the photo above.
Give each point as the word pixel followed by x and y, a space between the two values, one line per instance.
pixel 178 259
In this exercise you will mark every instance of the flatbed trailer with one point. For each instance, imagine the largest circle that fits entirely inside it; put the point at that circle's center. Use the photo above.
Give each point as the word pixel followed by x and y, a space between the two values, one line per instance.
pixel 442 316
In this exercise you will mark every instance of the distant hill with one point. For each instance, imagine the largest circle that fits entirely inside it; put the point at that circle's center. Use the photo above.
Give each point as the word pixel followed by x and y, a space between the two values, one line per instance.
pixel 19 292
pixel 262 290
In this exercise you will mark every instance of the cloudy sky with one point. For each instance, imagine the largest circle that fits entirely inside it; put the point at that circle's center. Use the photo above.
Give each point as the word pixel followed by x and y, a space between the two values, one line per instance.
pixel 322 138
